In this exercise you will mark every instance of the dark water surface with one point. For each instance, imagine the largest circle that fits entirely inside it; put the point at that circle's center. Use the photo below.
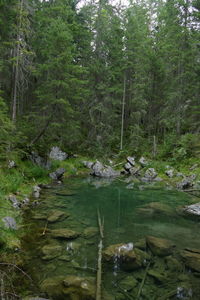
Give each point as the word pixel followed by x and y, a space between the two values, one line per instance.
pixel 124 222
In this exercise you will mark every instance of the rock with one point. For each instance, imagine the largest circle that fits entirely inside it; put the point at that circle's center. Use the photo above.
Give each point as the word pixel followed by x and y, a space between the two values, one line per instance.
pixel 127 166
pixel 65 258
pixel 149 175
pixel 90 232
pixel 128 283
pixel 124 255
pixel 187 182
pixel 99 170
pixel 36 191
pixel 79 288
pixel 130 186
pixel 73 247
pixel 11 164
pixel 39 217
pixel 14 201
pixel 131 160
pixel 184 293
pixel 141 244
pixel 10 223
pixel 179 174
pixel 134 170
pixel 58 174
pixel 191 258
pixel 53 287
pixel 57 215
pixel 63 233
pixel 170 173
pixel 51 251
pixel 57 154
pixel 159 247
pixel 143 162
pixel 40 161
pixel 88 164
pixel 192 210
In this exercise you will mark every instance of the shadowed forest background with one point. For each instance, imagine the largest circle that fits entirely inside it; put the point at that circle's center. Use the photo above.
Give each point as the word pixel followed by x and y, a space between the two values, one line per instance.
pixel 95 76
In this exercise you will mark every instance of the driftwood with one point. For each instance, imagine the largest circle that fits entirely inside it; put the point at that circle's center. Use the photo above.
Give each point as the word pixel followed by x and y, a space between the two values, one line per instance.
pixel 45 228
pixel 99 265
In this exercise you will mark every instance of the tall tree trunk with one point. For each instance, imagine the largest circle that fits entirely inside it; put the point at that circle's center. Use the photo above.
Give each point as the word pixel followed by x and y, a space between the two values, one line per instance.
pixel 123 110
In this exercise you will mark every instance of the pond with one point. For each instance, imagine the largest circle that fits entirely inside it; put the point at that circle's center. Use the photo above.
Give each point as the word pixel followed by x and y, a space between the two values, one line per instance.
pixel 62 238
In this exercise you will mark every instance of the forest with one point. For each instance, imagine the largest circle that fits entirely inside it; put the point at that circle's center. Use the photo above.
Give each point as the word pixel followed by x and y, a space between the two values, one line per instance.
pixel 109 89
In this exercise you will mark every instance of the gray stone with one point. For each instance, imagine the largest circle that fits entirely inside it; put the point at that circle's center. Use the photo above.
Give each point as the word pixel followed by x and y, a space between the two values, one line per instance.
pixel 131 160
pixel 99 170
pixel 134 170
pixel 143 162
pixel 14 201
pixel 58 174
pixel 187 182
pixel 10 223
pixel 149 175
pixel 88 164
pixel 11 164
pixel 127 166
pixel 193 209
pixel 170 173
pixel 36 191
pixel 57 154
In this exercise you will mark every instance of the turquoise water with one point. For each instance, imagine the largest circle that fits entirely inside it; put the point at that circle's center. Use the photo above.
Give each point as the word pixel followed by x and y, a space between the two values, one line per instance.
pixel 128 217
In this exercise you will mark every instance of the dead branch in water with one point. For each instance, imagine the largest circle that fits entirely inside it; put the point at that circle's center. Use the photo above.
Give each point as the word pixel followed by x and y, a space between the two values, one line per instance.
pixel 99 265
pixel 143 281
pixel 45 228
pixel 16 267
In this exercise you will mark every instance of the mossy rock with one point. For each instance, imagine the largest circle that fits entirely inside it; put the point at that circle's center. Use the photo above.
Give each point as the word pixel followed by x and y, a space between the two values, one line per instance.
pixel 63 233
pixel 51 251
pixel 191 258
pixel 57 215
pixel 79 288
pixel 53 287
pixel 160 247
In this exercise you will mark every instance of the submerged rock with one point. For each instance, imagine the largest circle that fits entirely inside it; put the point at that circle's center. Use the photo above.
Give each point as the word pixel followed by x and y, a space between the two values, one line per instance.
pixel 160 247
pixel 53 287
pixel 57 215
pixel 57 154
pixel 158 276
pixel 128 283
pixel 191 258
pixel 79 288
pixel 63 233
pixel 90 232
pixel 124 255
pixel 157 208
pixel 51 251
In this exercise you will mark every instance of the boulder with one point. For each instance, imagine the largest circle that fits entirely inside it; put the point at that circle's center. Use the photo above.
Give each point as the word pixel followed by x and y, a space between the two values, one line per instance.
pixel 10 223
pixel 134 170
pixel 143 162
pixel 36 191
pixel 88 164
pixel 192 210
pixel 99 170
pixel 51 251
pixel 187 182
pixel 131 160
pixel 191 258
pixel 58 174
pixel 56 215
pixel 79 288
pixel 149 175
pixel 124 254
pixel 63 233
pixel 158 276
pixel 159 247
pixel 127 166
pixel 57 154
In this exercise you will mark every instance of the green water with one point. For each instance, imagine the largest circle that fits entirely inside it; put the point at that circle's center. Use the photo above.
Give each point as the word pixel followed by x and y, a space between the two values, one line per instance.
pixel 124 222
